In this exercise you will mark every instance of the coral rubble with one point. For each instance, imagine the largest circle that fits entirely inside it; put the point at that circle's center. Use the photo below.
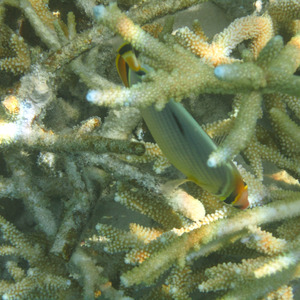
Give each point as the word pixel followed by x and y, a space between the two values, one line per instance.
pixel 89 206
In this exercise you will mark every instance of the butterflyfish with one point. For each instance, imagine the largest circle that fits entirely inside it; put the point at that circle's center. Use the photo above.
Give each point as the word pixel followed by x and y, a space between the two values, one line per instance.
pixel 182 140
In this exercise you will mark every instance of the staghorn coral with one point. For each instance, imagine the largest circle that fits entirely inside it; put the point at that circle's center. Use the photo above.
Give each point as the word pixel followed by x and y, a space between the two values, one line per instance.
pixel 63 161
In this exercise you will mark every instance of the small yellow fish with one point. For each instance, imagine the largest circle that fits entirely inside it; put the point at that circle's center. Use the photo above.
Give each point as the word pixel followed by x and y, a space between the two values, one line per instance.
pixel 183 141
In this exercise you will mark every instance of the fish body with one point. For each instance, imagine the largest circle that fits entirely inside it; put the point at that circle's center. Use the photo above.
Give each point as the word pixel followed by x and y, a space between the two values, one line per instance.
pixel 182 140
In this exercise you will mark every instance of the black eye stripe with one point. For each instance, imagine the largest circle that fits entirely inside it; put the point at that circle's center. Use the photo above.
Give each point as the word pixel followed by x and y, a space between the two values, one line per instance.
pixel 125 49
pixel 231 197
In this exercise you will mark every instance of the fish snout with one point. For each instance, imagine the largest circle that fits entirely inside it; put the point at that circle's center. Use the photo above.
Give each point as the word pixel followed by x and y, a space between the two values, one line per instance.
pixel 242 202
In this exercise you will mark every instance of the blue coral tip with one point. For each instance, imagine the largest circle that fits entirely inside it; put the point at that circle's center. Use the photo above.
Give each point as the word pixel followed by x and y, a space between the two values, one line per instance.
pixel 91 96
pixel 220 72
pixel 99 11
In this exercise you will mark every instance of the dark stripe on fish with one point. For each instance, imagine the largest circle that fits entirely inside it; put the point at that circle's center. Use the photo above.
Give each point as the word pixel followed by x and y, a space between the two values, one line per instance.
pixel 125 48
pixel 231 197
pixel 178 123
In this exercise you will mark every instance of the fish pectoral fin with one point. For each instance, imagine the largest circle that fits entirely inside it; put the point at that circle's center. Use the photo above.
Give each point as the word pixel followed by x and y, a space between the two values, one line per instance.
pixel 171 185
pixel 196 181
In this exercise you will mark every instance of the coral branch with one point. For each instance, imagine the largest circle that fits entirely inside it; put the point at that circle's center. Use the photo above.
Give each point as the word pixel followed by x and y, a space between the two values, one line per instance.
pixel 67 165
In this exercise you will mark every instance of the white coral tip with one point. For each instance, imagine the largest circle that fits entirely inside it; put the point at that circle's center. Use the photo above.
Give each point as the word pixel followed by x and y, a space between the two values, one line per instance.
pixel 99 12
pixel 212 162
pixel 221 72
pixel 124 281
pixel 92 96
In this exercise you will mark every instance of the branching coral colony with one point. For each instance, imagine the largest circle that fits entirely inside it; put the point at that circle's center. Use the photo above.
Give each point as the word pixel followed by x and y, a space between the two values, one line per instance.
pixel 62 163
